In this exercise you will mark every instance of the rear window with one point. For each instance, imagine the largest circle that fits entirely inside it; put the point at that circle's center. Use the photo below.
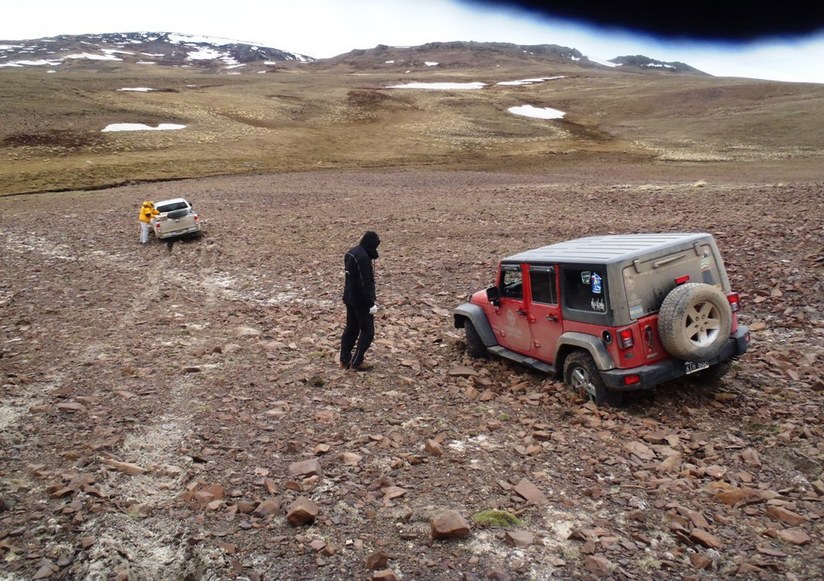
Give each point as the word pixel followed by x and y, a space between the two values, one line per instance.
pixel 584 288
pixel 647 282
pixel 163 208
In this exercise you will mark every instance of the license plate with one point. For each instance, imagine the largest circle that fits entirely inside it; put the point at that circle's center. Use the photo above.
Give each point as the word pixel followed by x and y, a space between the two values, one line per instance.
pixel 693 366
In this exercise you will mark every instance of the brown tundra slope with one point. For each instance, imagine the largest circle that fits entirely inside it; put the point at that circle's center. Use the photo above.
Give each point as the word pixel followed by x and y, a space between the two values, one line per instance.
pixel 163 408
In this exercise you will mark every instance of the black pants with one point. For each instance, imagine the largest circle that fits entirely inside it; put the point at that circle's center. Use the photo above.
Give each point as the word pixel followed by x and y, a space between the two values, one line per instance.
pixel 360 328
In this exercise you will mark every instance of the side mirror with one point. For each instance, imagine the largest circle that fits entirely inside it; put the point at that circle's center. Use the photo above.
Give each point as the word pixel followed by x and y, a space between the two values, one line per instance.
pixel 493 295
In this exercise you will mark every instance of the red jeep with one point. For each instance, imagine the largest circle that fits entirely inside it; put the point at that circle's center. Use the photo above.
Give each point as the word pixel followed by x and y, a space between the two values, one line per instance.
pixel 611 313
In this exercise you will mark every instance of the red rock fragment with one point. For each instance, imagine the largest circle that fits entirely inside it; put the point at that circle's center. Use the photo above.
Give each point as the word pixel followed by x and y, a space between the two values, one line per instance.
pixel 598 566
pixel 302 511
pixel 530 492
pixel 700 561
pixel 376 561
pixel 449 525
pixel 794 536
pixel 267 507
pixel 704 538
pixel 519 538
pixel 786 516
pixel 434 447
pixel 310 467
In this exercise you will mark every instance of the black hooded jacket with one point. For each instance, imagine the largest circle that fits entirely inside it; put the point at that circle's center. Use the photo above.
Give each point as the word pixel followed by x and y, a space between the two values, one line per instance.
pixel 359 288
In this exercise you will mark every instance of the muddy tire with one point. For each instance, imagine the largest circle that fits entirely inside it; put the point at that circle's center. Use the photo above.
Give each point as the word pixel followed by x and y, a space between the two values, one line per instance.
pixel 694 321
pixel 474 346
pixel 581 374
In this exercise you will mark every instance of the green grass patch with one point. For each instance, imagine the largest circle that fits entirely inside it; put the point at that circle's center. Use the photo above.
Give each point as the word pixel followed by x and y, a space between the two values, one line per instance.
pixel 496 518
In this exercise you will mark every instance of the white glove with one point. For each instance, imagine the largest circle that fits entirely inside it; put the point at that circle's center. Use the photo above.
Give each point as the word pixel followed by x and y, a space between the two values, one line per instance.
pixel 373 310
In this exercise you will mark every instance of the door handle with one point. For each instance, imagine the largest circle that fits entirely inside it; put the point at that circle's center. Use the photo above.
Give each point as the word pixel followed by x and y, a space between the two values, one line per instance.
pixel 521 312
pixel 552 318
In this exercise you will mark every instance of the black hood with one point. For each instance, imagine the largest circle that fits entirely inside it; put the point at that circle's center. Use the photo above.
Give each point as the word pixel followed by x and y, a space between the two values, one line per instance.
pixel 370 243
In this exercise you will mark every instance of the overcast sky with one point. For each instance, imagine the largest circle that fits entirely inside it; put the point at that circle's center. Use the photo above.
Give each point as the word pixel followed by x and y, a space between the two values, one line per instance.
pixel 326 28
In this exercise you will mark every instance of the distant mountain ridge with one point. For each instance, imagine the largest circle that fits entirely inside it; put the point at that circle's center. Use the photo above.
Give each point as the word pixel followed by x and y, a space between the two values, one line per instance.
pixel 145 48
pixel 644 62
pixel 219 54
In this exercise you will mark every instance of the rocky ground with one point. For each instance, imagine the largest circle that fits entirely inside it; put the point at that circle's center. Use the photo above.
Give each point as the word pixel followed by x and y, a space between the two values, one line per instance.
pixel 176 412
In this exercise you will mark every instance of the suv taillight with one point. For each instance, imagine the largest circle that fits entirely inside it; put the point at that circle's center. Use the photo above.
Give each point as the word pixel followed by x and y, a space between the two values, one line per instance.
pixel 734 303
pixel 625 340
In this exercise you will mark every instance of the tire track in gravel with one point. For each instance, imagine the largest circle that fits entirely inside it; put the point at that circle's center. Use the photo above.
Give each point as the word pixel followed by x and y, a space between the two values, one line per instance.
pixel 141 540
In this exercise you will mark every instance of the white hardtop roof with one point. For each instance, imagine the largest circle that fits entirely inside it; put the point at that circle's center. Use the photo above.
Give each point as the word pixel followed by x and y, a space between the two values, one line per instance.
pixel 606 249
pixel 171 201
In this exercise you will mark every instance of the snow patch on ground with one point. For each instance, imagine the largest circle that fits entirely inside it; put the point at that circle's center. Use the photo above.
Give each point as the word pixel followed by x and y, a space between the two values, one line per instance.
pixel 537 112
pixel 528 81
pixel 141 127
pixel 441 86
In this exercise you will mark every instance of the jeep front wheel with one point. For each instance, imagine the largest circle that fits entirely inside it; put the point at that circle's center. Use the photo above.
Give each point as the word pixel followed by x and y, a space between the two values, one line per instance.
pixel 694 321
pixel 474 345
pixel 582 375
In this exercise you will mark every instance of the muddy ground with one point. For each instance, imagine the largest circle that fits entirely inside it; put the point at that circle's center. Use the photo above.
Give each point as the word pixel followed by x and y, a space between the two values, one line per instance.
pixel 156 399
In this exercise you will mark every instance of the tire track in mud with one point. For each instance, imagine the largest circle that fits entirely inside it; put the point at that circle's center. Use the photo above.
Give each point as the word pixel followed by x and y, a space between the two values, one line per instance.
pixel 142 540
pixel 139 537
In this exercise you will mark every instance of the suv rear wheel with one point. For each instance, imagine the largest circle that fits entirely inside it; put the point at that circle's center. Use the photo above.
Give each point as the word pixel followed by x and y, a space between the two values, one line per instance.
pixel 582 375
pixel 694 321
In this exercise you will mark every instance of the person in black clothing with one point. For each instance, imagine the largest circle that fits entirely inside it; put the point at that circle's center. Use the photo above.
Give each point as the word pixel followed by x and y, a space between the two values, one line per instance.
pixel 359 298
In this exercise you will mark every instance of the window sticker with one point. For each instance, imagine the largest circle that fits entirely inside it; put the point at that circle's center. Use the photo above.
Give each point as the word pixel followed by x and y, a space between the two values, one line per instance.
pixel 595 283
pixel 598 305
pixel 585 275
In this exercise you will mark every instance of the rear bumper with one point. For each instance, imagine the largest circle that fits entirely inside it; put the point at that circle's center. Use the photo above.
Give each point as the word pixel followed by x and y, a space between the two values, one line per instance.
pixel 175 233
pixel 663 371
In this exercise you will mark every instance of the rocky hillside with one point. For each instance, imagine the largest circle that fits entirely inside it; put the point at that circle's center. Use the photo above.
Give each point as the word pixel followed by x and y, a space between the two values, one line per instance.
pixel 220 54
pixel 644 63
pixel 142 48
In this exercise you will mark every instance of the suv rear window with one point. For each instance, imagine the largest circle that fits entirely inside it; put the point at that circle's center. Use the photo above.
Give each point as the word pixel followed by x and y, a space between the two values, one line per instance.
pixel 584 288
pixel 647 282
pixel 172 207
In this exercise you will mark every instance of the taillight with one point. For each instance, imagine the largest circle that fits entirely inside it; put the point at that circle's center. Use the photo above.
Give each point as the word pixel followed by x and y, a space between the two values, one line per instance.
pixel 196 218
pixel 632 379
pixel 734 303
pixel 682 279
pixel 625 340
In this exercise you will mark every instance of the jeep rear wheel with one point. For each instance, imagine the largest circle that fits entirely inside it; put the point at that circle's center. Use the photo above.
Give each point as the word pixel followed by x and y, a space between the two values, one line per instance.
pixel 474 345
pixel 694 321
pixel 582 375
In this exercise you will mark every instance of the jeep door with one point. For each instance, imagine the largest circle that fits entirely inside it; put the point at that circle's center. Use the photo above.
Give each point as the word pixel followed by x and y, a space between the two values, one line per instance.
pixel 509 322
pixel 544 312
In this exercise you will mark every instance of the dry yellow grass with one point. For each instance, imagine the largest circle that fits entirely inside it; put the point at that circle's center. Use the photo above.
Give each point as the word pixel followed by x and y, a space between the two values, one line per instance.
pixel 327 115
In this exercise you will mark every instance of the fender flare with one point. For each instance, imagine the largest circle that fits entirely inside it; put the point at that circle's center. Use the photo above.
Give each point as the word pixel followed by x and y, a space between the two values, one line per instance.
pixel 589 343
pixel 475 314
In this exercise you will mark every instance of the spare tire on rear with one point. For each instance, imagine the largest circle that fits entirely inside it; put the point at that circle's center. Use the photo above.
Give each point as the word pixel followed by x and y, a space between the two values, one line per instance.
pixel 694 321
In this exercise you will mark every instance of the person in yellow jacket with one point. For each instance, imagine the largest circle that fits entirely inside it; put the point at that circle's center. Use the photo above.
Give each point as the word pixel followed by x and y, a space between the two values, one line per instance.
pixel 147 212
